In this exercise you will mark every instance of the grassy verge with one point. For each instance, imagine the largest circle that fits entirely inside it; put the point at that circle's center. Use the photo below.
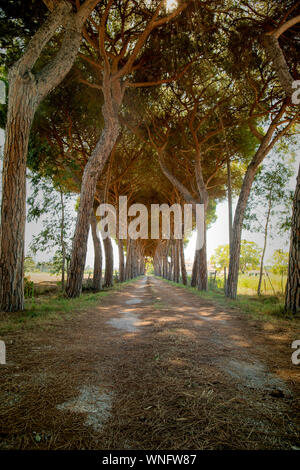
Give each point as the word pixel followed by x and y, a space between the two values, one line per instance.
pixel 41 311
pixel 267 308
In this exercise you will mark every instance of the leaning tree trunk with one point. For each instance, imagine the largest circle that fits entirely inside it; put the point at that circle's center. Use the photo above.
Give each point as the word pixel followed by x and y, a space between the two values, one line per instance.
pixel 109 262
pixel 276 57
pixel 292 296
pixel 97 275
pixel 267 143
pixel 90 178
pixel 234 262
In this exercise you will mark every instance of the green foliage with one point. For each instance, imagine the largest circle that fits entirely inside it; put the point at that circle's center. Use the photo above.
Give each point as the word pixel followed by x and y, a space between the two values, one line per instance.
pixel 28 288
pixel 44 309
pixel 249 257
pixel 280 262
pixel 270 196
pixel 19 21
pixel 57 260
pixel 29 264
pixel 49 203
pixel 220 258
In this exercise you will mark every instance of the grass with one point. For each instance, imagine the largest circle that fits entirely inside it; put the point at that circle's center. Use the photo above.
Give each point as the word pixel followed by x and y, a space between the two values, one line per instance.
pixel 272 284
pixel 41 311
pixel 263 307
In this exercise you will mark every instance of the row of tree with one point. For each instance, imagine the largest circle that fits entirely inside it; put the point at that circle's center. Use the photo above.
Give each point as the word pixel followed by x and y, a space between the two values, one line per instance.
pixel 159 105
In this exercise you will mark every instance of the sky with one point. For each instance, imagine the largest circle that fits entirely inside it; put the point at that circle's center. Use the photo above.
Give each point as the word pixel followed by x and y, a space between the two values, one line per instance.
pixel 216 235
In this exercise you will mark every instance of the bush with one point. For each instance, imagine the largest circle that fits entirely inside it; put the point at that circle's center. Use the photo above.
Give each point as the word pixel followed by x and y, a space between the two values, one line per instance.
pixel 28 288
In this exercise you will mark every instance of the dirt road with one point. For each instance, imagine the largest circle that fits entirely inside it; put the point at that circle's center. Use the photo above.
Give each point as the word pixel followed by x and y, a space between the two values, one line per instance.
pixel 153 367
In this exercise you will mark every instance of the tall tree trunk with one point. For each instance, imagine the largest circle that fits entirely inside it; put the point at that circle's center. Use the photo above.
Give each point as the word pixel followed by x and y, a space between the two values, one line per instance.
pixel 13 211
pixel 26 91
pixel 176 261
pixel 199 271
pixel 194 278
pixel 267 143
pixel 128 260
pixel 229 195
pixel 202 283
pixel 62 241
pixel 121 260
pixel 134 260
pixel 165 259
pixel 182 262
pixel 234 262
pixel 292 295
pixel 265 246
pixel 90 178
pixel 109 262
pixel 171 265
pixel 97 274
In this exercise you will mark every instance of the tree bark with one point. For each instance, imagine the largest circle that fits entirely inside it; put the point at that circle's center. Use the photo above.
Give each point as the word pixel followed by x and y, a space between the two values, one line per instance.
pixel 26 91
pixel 202 280
pixel 234 262
pixel 90 178
pixel 277 58
pixel 128 260
pixel 266 145
pixel 177 262
pixel 121 261
pixel 13 211
pixel 109 262
pixel 292 294
pixel 229 195
pixel 97 274
pixel 182 262
pixel 62 241
pixel 194 278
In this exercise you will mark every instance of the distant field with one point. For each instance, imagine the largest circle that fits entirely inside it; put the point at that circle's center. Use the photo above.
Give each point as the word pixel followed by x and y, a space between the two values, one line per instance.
pixel 39 277
pixel 42 277
pixel 247 285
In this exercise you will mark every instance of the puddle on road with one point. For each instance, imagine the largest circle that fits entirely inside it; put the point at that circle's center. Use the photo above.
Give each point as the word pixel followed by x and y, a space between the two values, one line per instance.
pixel 255 376
pixel 128 322
pixel 133 301
pixel 92 401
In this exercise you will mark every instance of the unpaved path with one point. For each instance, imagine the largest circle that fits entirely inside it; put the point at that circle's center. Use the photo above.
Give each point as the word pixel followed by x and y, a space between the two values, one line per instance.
pixel 153 367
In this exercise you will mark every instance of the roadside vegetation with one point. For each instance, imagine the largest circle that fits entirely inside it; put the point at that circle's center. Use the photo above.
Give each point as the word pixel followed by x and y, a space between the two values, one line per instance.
pixel 41 310
pixel 260 307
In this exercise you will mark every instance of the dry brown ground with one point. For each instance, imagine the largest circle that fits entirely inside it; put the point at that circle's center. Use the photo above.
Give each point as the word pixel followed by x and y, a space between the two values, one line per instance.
pixel 152 367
